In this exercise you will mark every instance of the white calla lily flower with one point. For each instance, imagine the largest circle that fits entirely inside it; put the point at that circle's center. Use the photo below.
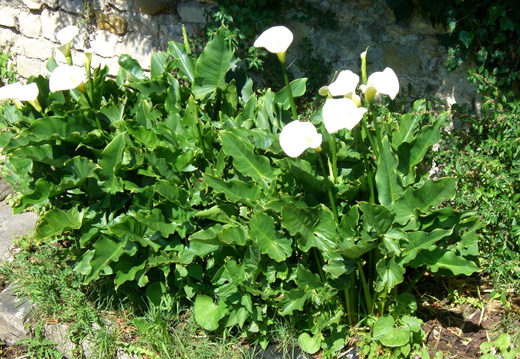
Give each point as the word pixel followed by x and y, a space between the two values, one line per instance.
pixel 345 84
pixel 297 136
pixel 67 34
pixel 276 40
pixel 18 91
pixel 65 37
pixel 340 113
pixel 66 77
pixel 381 83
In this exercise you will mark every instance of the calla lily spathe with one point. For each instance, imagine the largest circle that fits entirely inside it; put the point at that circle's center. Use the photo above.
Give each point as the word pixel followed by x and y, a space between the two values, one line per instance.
pixel 381 83
pixel 297 136
pixel 65 77
pixel 20 92
pixel 345 84
pixel 276 40
pixel 340 113
pixel 65 37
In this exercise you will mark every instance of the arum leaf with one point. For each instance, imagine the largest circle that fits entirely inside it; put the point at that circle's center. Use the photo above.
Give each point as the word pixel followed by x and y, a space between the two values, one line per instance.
pixel 249 164
pixel 427 137
pixel 157 66
pixel 235 190
pixel 390 336
pixel 316 226
pixel 213 64
pixel 310 344
pixel 106 251
pixel 390 274
pixel 269 241
pixel 377 217
pixel 183 62
pixel 55 221
pixel 433 193
pixel 388 188
pixel 110 161
pixel 419 240
pixel 298 88
pixel 438 259
pixel 131 66
pixel 207 313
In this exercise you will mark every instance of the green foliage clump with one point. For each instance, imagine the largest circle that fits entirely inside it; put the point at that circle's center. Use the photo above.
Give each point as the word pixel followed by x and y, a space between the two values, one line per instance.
pixel 484 154
pixel 7 71
pixel 175 182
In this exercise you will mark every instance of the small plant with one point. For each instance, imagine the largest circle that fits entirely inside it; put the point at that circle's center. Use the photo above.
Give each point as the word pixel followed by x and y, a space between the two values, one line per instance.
pixel 7 71
pixel 500 347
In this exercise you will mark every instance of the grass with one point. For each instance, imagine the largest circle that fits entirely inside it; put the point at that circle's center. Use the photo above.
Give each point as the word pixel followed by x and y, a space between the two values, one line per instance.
pixel 105 319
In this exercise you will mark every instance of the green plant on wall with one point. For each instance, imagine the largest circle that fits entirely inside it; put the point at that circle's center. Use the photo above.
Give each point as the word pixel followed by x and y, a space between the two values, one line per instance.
pixel 187 181
pixel 7 70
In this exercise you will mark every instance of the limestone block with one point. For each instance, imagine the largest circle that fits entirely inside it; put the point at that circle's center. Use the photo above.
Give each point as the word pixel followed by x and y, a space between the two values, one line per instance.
pixel 53 4
pixel 7 35
pixel 192 12
pixel 144 24
pixel 112 63
pixel 154 7
pixel 104 44
pixel 33 4
pixel 8 17
pixel 73 6
pixel 34 48
pixel 139 47
pixel 27 67
pixel 30 25
pixel 121 5
pixel 15 314
pixel 114 23
pixel 53 21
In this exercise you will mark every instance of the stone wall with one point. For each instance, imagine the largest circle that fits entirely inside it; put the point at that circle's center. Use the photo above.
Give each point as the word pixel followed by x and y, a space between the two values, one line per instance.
pixel 139 27
pixel 109 28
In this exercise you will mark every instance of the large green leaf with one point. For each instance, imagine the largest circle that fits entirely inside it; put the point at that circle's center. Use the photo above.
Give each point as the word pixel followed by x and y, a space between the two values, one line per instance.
pixel 263 232
pixel 212 65
pixel 56 221
pixel 183 62
pixel 158 64
pixel 438 259
pixel 389 335
pixel 419 240
pixel 316 226
pixel 298 88
pixel 427 137
pixel 235 190
pixel 110 161
pixel 132 66
pixel 377 217
pixel 389 273
pixel 433 193
pixel 388 188
pixel 106 251
pixel 246 161
pixel 207 313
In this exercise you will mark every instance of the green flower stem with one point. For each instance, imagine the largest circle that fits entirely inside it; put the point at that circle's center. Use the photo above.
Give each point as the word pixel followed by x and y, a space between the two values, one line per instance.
pixel 319 262
pixel 348 308
pixel 366 289
pixel 377 128
pixel 332 199
pixel 334 151
pixel 368 170
pixel 368 134
pixel 289 92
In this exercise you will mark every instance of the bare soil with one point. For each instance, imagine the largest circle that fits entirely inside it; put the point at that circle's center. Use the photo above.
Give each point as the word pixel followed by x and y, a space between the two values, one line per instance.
pixel 459 315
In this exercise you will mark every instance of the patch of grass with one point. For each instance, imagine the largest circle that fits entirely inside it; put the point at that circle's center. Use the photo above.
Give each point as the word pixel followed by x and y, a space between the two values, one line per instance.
pixel 103 318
